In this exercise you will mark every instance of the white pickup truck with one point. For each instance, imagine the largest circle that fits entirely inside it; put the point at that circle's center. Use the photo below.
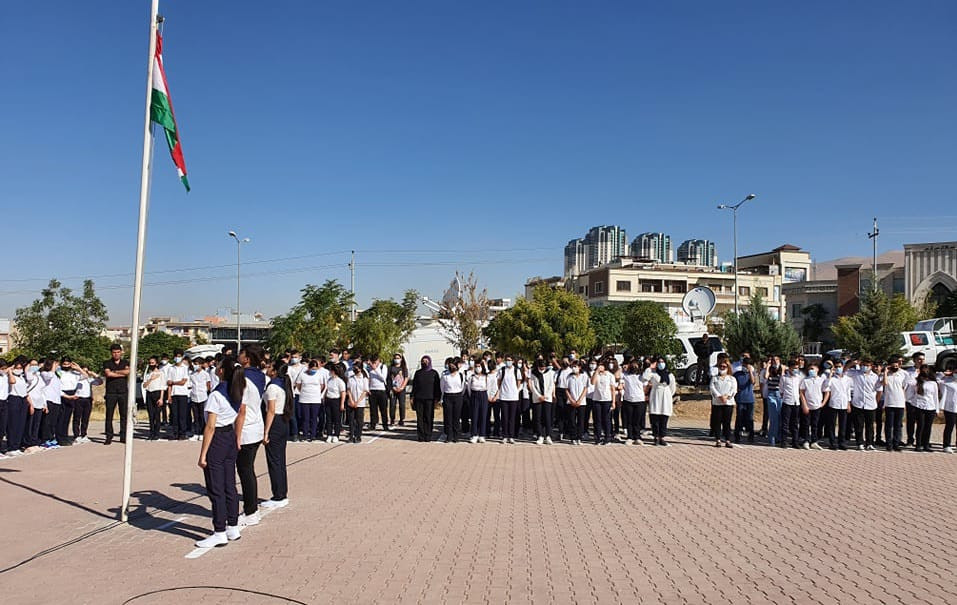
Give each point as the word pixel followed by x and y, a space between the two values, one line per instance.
pixel 935 339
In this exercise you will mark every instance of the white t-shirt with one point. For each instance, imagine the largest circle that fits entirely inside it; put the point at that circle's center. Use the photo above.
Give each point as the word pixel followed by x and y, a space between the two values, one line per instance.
pixel 175 374
pixel 213 379
pixel 634 388
pixel 910 386
pixel 562 381
pixel 478 382
pixel 840 389
pixel 35 393
pixel 334 388
pixel 864 389
pixel 604 384
pixel 452 383
pixel 930 400
pixel 577 384
pixel 311 387
pixel 894 389
pixel 155 381
pixel 219 405
pixel 378 377
pixel 51 388
pixel 813 389
pixel 253 426
pixel 197 386
pixel 68 381
pixel 84 388
pixel 276 393
pixel 508 390
pixel 358 385
pixel 948 393
pixel 790 388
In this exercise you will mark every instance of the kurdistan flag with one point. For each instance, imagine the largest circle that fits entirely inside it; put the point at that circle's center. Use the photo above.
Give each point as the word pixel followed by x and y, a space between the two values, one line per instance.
pixel 161 111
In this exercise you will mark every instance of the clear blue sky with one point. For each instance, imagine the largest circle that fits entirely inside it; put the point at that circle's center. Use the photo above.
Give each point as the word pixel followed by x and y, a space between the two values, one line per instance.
pixel 501 129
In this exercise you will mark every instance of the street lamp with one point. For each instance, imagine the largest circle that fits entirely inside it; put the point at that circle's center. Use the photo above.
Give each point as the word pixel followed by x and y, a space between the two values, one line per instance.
pixel 734 222
pixel 239 245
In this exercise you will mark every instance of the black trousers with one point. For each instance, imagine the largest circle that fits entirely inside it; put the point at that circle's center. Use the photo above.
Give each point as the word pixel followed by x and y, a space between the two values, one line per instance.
pixel 246 468
pixel 832 415
pixel 220 475
pixel 892 426
pixel 789 423
pixel 925 423
pixel 180 415
pixel 62 428
pixel 616 419
pixel 721 421
pixel 811 426
pixel 451 415
pixel 81 416
pixel 659 425
pixel 51 420
pixel 3 423
pixel 153 399
pixel 396 402
pixel 479 413
pixel 466 415
pixel 356 417
pixel 196 408
pixel 543 414
pixel 602 420
pixel 16 422
pixel 509 416
pixel 310 420
pixel 276 458
pixel 912 415
pixel 378 409
pixel 424 418
pixel 576 420
pixel 950 421
pixel 633 415
pixel 164 409
pixel 35 421
pixel 114 401
pixel 524 421
pixel 493 419
pixel 333 417
pixel 863 421
pixel 562 413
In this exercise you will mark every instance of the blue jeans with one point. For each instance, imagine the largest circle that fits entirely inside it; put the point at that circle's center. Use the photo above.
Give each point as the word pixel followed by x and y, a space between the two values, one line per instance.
pixel 744 420
pixel 774 416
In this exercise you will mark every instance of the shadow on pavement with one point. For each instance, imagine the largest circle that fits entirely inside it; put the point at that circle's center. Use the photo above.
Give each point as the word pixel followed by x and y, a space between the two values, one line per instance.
pixel 33 490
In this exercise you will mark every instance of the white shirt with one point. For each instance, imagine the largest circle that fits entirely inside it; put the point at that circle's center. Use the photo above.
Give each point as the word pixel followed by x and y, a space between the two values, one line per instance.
pixel 253 426
pixel 175 374
pixel 334 388
pixel 577 384
pixel 155 381
pixel 603 386
pixel 452 383
pixel 51 388
pixel 19 387
pixel 864 389
pixel 813 389
pixel 545 393
pixel 35 393
pixel 508 389
pixel 213 379
pixel 723 386
pixel 910 386
pixel 68 381
pixel 4 387
pixel 478 382
pixel 790 388
pixel 311 387
pixel 930 400
pixel 894 389
pixel 948 393
pixel 378 378
pixel 84 388
pixel 358 385
pixel 294 372
pixel 197 386
pixel 662 395
pixel 219 405
pixel 634 388
pixel 840 389
pixel 276 394
pixel 562 381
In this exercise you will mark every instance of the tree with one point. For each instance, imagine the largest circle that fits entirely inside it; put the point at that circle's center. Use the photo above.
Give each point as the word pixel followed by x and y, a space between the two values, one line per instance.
pixel 756 331
pixel 649 330
pixel 607 322
pixel 813 328
pixel 61 322
pixel 948 308
pixel 874 331
pixel 551 321
pixel 318 322
pixel 384 326
pixel 464 310
pixel 158 343
pixel 904 315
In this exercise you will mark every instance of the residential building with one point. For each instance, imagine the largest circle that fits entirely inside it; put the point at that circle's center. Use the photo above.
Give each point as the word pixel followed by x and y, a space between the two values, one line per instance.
pixel 6 336
pixel 698 252
pixel 653 246
pixel 600 245
pixel 576 256
pixel 790 261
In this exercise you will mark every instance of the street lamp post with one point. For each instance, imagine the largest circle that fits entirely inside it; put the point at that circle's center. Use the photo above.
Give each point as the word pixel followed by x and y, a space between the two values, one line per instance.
pixel 734 235
pixel 239 246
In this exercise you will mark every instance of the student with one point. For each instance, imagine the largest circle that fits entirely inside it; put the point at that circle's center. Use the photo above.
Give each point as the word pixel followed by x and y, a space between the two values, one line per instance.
pixel 466 367
pixel 199 388
pixel 358 394
pixel 50 383
pixel 541 386
pixel 250 429
pixel 378 394
pixel 177 379
pixel 563 370
pixel 744 400
pixel 896 384
pixel 510 381
pixel 947 385
pixel 590 397
pixel 311 390
pixel 37 406
pixel 866 389
pixel 927 404
pixel 398 379
pixel 602 401
pixel 478 392
pixel 154 382
pixel 217 455
pixel 84 405
pixel 279 413
pixel 771 380
pixel 723 388
pixel 523 412
pixel 335 401
pixel 426 389
pixel 494 405
pixel 661 399
pixel 294 368
pixel 577 387
pixel 634 405
pixel 791 404
pixel 453 390
pixel 813 398
pixel 4 395
pixel 912 413
pixel 69 380
pixel 838 388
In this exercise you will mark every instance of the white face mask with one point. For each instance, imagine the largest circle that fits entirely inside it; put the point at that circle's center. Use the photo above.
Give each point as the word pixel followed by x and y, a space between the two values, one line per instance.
pixel 294 361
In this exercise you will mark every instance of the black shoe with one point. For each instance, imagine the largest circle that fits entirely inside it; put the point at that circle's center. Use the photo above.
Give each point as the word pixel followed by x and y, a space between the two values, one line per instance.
pixel 842 447
pixel 832 447
pixel 927 449
pixel 897 448
pixel 108 441
pixel 879 442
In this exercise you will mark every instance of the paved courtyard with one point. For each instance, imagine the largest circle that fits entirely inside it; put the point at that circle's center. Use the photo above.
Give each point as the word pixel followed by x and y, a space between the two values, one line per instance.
pixel 395 520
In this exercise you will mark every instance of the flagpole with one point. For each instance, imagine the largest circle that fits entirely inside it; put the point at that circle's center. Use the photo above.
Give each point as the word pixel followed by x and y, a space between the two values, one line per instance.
pixel 138 277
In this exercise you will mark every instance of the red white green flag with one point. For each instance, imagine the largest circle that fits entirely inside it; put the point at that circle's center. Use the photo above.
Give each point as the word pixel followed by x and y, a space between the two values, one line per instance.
pixel 161 112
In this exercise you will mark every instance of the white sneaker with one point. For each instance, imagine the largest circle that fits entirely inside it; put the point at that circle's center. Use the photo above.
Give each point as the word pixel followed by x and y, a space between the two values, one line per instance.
pixel 335 440
pixel 217 539
pixel 860 447
pixel 539 441
pixel 870 448
pixel 232 533
pixel 948 450
pixel 474 439
pixel 270 504
pixel 548 441
pixel 806 445
pixel 442 439
pixel 816 446
pixel 481 439
pixel 248 520
pixel 194 438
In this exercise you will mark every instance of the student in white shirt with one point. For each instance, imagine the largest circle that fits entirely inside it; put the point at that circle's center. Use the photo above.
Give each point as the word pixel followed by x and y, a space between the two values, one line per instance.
pixel 35 396
pixel 50 383
pixel 838 388
pixel 335 401
pixel 634 404
pixel 378 394
pixel 279 398
pixel 478 384
pixel 311 386
pixel 910 392
pixel 813 398
pixel 603 399
pixel 927 403
pixel 293 369
pixel 251 431
pixel 724 387
pixel 896 384
pixel 199 388
pixel 177 382
pixel 358 399
pixel 577 389
pixel 165 411
pixel 154 383
pixel 510 382
pixel 661 399
pixel 452 384
pixel 69 379
pixel 947 385
pixel 217 455
pixel 84 405
pixel 790 404
pixel 541 386
pixel 866 390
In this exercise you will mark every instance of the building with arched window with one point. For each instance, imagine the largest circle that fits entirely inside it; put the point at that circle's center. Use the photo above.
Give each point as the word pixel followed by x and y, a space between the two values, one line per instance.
pixel 930 270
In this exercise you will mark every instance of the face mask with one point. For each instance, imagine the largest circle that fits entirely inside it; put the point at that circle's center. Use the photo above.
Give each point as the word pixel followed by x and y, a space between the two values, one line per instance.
pixel 812 373
pixel 521 363
pixel 576 370
pixel 661 366
pixel 311 372
pixel 164 362
pixel 795 372
pixel 18 372
pixel 867 369
pixel 592 366
pixel 294 361
pixel 478 369
pixel 892 370
pixel 396 362
pixel 196 368
pixel 723 372
pixel 152 365
pixel 425 365
pixel 572 357
pixel 34 369
pixel 838 371
pixel 177 359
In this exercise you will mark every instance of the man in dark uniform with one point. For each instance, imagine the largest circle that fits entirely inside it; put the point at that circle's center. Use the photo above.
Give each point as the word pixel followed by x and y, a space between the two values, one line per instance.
pixel 702 350
pixel 116 371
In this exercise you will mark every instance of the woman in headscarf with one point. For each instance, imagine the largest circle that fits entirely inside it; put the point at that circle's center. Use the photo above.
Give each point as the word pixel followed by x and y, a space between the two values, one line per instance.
pixel 661 399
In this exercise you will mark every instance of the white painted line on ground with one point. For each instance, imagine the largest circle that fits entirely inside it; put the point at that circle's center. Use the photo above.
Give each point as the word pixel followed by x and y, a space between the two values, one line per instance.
pixel 381 433
pixel 196 553
pixel 169 524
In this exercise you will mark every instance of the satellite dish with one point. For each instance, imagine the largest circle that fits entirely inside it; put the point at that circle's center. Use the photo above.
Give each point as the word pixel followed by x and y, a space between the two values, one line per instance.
pixel 699 302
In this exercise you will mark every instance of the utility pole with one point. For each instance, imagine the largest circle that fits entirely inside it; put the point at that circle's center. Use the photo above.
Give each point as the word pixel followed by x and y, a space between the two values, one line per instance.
pixel 352 272
pixel 873 237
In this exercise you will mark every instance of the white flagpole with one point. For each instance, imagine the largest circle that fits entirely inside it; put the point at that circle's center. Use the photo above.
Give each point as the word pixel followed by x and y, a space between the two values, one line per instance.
pixel 138 278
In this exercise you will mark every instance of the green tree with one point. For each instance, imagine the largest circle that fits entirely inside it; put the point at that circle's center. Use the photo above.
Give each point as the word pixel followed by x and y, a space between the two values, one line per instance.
pixel 318 322
pixel 62 322
pixel 465 308
pixel 649 330
pixel 813 328
pixel 384 326
pixel 607 323
pixel 157 343
pixel 755 330
pixel 551 321
pixel 874 331
pixel 904 315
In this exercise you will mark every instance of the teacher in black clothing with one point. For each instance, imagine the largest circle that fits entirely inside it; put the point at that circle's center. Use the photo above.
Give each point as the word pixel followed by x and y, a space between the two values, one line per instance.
pixel 426 390
pixel 116 371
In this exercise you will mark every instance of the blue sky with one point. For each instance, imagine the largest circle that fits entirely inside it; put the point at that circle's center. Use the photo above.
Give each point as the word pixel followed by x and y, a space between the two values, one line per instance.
pixel 437 135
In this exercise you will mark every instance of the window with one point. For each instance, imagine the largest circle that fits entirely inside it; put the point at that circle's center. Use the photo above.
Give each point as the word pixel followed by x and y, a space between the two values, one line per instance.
pixel 744 291
pixel 598 288
pixel 623 286
pixel 762 292
pixel 650 285
pixel 918 340
pixel 777 293
pixel 795 309
pixel 583 289
pixel 677 287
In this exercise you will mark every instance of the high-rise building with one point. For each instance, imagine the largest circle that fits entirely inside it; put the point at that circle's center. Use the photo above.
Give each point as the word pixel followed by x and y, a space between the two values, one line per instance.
pixel 653 246
pixel 698 252
pixel 576 257
pixel 600 246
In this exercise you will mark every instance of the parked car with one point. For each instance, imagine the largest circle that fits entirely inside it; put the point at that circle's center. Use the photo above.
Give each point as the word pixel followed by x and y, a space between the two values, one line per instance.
pixel 934 345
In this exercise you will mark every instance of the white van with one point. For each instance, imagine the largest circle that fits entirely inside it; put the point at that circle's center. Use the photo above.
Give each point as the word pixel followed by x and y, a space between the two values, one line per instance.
pixel 689 335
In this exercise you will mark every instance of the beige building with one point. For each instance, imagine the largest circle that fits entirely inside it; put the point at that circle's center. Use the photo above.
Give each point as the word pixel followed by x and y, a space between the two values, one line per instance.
pixel 930 270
